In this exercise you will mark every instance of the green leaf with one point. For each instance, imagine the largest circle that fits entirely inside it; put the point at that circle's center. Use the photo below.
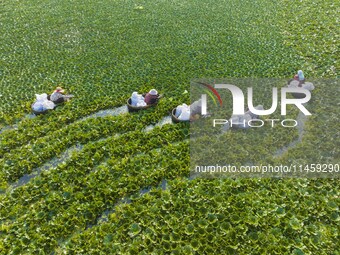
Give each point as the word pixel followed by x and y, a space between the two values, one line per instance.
pixel 134 229
pixel 189 229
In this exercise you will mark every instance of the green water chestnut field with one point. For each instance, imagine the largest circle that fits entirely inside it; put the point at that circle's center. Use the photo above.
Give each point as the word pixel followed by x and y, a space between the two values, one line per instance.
pixel 75 183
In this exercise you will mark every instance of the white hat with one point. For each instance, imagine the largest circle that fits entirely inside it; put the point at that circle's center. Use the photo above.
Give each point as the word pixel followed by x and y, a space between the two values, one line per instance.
pixel 134 94
pixel 153 92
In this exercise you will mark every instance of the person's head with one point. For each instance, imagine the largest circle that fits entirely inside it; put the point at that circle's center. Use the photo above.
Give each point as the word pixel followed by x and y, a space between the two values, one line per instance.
pixel 134 94
pixel 153 92
pixel 59 90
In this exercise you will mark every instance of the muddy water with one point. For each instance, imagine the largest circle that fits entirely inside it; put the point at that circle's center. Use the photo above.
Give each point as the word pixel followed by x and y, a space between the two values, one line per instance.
pixel 108 112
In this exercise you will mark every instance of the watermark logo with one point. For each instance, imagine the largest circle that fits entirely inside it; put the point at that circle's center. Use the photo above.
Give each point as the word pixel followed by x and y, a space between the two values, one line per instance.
pixel 238 99
pixel 209 90
pixel 260 127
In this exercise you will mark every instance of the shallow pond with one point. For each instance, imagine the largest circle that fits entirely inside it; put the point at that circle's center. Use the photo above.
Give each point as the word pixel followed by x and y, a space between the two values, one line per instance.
pixel 47 166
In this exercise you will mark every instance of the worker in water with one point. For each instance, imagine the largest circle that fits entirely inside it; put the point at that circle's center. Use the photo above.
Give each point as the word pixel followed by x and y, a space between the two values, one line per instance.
pixel 151 97
pixel 58 96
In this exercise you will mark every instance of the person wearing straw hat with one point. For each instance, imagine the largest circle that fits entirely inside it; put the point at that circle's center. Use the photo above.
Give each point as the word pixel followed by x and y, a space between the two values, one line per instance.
pixel 151 97
pixel 299 80
pixel 57 96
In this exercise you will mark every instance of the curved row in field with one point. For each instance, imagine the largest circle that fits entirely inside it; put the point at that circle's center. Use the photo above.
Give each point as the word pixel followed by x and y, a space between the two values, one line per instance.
pixel 83 188
pixel 220 216
pixel 23 160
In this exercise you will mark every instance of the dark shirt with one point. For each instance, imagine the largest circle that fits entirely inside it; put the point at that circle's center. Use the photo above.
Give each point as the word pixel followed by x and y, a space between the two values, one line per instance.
pixel 57 97
pixel 150 99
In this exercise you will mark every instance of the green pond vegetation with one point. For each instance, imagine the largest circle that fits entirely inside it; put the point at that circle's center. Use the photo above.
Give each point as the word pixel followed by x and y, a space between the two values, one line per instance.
pixel 128 191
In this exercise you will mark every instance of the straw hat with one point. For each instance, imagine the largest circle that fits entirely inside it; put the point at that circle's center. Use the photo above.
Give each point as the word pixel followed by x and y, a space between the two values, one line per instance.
pixel 59 89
